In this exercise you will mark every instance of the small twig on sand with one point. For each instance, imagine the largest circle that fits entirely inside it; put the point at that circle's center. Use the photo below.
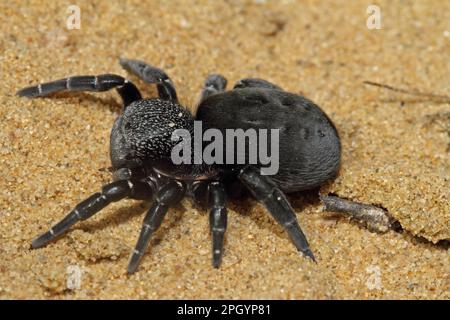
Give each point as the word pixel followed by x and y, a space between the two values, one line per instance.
pixel 439 97
pixel 375 218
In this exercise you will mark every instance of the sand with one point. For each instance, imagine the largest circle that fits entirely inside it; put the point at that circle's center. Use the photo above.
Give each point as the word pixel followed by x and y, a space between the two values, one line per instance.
pixel 54 152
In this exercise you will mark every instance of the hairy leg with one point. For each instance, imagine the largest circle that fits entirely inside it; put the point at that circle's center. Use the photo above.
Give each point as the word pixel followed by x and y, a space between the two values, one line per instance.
pixel 217 219
pixel 151 74
pixel 99 83
pixel 255 83
pixel 214 83
pixel 111 192
pixel 167 195
pixel 276 203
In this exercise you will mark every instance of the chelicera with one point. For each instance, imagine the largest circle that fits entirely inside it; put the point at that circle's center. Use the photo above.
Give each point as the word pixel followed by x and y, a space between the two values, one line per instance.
pixel 141 145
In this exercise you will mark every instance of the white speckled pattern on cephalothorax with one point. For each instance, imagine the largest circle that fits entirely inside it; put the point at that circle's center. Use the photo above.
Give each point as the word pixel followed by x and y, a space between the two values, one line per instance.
pixel 148 125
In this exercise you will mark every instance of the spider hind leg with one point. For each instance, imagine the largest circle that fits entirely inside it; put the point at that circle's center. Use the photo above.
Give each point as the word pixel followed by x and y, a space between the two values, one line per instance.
pixel 278 206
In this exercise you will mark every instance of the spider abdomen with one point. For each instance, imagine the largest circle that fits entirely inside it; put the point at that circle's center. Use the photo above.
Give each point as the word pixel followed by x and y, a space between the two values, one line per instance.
pixel 309 146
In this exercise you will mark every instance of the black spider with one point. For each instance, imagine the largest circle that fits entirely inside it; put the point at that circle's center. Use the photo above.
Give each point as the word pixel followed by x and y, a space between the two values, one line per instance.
pixel 141 146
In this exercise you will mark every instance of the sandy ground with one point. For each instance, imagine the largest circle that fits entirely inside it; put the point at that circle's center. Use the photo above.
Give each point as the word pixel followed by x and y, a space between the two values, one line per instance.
pixel 54 152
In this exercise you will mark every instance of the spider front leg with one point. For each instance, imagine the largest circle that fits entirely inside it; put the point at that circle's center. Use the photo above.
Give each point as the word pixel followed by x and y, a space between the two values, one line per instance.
pixel 214 83
pixel 99 83
pixel 167 195
pixel 265 191
pixel 111 192
pixel 151 74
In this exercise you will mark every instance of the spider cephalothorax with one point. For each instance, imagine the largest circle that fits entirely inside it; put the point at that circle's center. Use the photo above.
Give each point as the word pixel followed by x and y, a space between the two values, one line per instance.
pixel 142 143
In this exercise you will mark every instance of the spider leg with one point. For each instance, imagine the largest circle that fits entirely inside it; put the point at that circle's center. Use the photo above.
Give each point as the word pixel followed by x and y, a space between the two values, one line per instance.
pixel 255 83
pixel 103 82
pixel 265 191
pixel 214 83
pixel 217 219
pixel 111 192
pixel 167 195
pixel 212 194
pixel 151 74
